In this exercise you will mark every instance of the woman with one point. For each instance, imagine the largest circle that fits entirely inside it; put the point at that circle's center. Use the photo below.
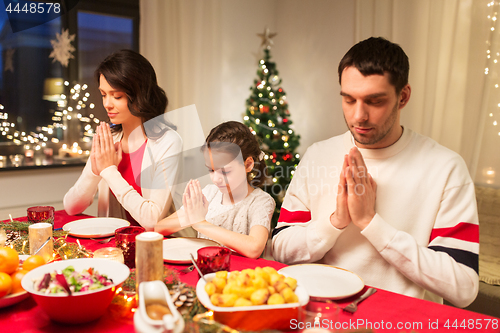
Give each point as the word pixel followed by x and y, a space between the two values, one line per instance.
pixel 134 161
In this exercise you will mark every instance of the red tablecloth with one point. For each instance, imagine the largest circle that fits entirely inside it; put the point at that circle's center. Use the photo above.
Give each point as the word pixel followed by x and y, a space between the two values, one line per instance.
pixel 383 312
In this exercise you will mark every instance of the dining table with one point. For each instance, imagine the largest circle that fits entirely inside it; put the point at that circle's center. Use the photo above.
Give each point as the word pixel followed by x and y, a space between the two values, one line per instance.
pixel 384 311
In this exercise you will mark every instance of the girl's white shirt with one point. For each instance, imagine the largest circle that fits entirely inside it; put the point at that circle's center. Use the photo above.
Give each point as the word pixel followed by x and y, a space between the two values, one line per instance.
pixel 256 209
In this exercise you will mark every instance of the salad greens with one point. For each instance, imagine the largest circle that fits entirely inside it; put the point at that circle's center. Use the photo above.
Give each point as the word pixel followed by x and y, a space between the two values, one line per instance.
pixel 87 279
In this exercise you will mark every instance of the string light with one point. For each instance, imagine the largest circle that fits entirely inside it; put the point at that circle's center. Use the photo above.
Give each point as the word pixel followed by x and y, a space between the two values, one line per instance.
pixel 45 133
pixel 493 63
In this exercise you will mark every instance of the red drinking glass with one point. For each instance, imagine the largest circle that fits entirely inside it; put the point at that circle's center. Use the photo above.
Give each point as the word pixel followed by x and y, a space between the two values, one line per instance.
pixel 41 214
pixel 213 259
pixel 125 241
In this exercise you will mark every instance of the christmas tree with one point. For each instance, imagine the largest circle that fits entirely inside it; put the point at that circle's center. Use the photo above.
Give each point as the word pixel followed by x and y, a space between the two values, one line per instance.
pixel 268 118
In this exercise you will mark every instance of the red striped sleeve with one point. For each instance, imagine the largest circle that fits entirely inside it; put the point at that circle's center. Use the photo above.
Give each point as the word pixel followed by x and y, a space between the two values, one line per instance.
pixel 294 217
pixel 463 231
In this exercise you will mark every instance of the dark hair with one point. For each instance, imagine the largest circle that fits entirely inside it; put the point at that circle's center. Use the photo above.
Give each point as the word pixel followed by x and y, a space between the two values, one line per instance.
pixel 377 55
pixel 240 136
pixel 130 72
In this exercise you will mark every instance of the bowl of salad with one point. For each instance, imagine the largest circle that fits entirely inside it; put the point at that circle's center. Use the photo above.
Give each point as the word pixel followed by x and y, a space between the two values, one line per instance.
pixel 75 291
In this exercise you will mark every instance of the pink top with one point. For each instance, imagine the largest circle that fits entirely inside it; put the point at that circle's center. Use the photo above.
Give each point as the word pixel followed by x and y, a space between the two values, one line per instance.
pixel 128 164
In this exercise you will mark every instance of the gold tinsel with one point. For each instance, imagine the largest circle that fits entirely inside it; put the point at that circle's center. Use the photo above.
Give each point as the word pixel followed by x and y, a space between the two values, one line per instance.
pixel 18 238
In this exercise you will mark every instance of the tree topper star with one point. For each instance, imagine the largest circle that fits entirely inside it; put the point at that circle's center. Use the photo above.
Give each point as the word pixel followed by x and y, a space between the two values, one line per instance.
pixel 266 38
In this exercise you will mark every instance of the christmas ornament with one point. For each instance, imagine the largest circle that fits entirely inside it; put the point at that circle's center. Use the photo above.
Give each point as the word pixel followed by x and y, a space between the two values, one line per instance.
pixel 264 108
pixel 62 48
pixel 266 38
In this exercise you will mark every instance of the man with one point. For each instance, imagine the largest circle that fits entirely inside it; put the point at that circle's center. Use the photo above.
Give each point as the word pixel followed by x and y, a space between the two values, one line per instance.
pixel 380 200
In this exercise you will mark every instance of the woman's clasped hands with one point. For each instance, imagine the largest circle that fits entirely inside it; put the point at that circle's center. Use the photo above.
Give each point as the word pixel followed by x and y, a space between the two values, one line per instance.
pixel 105 152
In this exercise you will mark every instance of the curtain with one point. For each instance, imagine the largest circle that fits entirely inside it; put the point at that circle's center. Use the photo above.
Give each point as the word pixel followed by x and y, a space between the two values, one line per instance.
pixel 182 41
pixel 445 45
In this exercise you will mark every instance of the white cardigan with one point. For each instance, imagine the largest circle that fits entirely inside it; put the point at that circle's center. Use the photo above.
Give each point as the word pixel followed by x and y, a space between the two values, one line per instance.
pixel 159 171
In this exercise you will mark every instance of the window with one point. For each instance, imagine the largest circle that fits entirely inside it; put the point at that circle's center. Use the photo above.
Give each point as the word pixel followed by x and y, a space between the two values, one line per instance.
pixel 33 84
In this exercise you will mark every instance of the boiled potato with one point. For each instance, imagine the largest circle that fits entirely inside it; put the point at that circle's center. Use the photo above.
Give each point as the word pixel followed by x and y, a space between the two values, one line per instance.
pixel 247 292
pixel 280 285
pixel 243 302
pixel 275 299
pixel 270 270
pixel 221 274
pixel 259 296
pixel 259 282
pixel 257 286
pixel 250 272
pixel 289 296
pixel 273 278
pixel 233 276
pixel 224 300
pixel 219 283
pixel 259 272
pixel 233 288
pixel 210 288
pixel 291 282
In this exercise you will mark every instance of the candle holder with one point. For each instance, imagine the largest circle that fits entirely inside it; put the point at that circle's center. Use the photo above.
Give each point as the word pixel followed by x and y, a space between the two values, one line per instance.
pixel 111 253
pixel 16 160
pixel 125 241
pixel 213 259
pixel 149 257
pixel 38 235
pixel 39 214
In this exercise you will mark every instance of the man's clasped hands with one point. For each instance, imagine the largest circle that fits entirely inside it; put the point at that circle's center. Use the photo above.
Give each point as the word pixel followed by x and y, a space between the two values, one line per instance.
pixel 356 193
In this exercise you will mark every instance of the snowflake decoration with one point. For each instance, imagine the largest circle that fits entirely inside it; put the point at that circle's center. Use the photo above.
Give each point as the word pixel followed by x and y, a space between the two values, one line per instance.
pixel 62 47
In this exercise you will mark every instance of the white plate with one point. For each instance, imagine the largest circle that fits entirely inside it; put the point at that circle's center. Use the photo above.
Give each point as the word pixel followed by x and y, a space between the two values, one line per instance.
pixel 177 250
pixel 95 227
pixel 13 299
pixel 325 281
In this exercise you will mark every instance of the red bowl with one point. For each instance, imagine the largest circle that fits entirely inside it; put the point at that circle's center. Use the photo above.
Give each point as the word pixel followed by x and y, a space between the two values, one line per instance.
pixel 83 306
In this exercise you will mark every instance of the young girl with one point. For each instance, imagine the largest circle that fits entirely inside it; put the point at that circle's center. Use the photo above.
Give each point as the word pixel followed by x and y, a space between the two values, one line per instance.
pixel 231 211
pixel 131 165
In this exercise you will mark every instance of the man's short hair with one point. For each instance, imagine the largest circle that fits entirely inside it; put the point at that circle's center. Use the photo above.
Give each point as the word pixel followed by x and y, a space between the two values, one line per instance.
pixel 377 55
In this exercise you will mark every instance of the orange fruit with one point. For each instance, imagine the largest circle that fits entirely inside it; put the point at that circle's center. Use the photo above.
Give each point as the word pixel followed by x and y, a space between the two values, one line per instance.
pixel 33 262
pixel 5 284
pixel 9 260
pixel 16 281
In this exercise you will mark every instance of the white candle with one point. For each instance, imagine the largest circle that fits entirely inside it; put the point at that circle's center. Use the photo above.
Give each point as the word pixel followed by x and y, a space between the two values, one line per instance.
pixel 148 257
pixel 111 253
pixel 38 234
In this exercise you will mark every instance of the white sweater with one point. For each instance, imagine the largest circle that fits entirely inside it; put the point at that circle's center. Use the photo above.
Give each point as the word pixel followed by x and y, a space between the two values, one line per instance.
pixel 158 174
pixel 424 238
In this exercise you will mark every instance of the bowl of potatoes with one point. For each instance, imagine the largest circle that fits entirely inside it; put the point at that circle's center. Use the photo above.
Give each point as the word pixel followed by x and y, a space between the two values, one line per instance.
pixel 252 299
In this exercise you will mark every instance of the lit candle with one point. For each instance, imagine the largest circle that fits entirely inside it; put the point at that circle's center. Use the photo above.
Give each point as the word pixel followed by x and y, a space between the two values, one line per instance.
pixel 111 253
pixel 38 234
pixel 148 257
pixel 3 237
pixel 29 153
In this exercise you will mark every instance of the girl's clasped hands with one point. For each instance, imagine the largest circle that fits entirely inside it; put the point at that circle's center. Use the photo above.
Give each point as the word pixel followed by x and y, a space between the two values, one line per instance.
pixel 195 203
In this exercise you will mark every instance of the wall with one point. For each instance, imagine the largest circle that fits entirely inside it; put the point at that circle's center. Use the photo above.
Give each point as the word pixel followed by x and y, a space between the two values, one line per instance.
pixel 20 189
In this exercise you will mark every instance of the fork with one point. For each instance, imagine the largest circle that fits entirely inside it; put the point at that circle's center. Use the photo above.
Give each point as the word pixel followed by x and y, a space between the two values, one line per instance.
pixel 187 269
pixel 354 305
pixel 103 241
